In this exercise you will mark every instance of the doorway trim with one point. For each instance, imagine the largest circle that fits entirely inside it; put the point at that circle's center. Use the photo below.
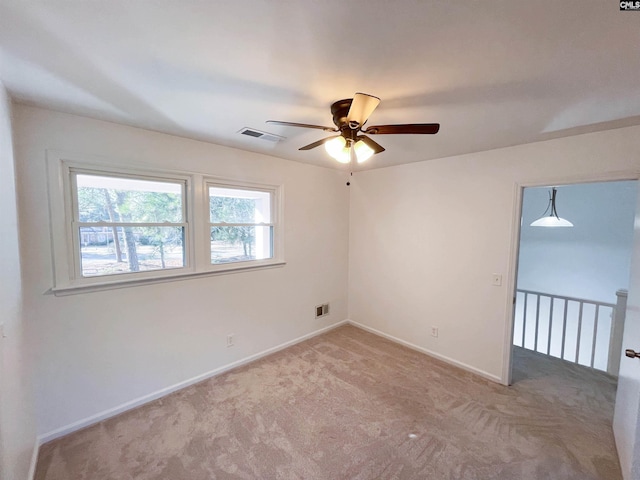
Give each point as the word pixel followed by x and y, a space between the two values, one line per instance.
pixel 514 247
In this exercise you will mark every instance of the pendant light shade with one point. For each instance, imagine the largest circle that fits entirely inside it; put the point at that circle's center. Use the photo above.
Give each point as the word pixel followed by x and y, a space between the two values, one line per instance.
pixel 551 220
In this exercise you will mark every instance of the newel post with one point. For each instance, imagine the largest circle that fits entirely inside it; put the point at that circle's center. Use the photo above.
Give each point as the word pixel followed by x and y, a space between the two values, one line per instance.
pixel 617 330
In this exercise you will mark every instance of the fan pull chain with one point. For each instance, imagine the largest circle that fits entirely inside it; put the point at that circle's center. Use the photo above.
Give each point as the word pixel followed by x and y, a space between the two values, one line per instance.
pixel 349 180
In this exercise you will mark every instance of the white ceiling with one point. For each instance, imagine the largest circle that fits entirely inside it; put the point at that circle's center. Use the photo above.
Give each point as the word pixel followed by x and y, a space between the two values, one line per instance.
pixel 494 73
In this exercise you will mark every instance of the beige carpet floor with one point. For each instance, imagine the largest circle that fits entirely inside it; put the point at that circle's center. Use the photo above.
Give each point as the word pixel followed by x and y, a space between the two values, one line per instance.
pixel 351 405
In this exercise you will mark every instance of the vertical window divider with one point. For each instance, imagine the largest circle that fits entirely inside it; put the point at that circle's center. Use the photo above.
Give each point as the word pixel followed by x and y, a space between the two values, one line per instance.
pixel 199 212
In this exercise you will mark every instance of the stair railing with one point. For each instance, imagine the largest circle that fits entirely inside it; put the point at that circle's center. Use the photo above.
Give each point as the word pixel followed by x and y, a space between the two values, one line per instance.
pixel 582 331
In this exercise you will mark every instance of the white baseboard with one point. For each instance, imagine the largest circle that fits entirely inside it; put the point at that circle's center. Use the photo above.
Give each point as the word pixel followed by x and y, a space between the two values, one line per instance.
pixel 88 421
pixel 34 459
pixel 451 361
pixel 85 422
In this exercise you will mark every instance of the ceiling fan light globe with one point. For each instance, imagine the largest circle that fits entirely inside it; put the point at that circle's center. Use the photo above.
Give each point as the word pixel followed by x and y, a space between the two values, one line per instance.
pixel 344 156
pixel 337 149
pixel 335 145
pixel 363 151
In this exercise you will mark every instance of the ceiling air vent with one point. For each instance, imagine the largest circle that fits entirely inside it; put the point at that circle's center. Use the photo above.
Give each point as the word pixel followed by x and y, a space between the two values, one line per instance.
pixel 252 132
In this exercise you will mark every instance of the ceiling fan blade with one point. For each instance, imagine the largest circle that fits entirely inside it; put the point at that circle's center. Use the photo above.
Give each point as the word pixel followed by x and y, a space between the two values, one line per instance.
pixel 318 143
pixel 416 128
pixel 371 144
pixel 302 125
pixel 361 108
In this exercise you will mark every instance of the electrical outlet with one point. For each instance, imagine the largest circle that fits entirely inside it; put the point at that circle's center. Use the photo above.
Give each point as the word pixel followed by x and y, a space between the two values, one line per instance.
pixel 434 332
pixel 230 340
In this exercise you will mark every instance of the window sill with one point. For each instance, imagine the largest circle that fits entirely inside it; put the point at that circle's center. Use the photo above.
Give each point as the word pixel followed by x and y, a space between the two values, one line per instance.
pixel 97 287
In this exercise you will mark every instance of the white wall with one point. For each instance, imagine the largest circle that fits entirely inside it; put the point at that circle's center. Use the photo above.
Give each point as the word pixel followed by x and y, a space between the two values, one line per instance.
pixel 97 351
pixel 425 239
pixel 423 242
pixel 590 260
pixel 17 422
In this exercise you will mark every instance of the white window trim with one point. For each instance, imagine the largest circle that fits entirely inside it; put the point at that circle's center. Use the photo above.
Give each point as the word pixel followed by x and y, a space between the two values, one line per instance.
pixel 67 279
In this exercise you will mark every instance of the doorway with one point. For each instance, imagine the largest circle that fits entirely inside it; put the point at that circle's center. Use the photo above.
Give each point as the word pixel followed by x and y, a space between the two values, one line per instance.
pixel 567 278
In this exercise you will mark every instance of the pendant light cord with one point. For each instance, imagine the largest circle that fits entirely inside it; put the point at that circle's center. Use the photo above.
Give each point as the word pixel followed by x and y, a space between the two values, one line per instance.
pixel 554 212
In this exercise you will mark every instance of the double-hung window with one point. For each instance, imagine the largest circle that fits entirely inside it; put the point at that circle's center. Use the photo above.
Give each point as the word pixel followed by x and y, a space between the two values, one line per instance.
pixel 127 224
pixel 115 225
pixel 240 223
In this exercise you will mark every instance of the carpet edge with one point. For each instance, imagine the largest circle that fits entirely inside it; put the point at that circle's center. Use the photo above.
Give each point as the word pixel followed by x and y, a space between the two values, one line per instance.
pixel 444 358
pixel 112 412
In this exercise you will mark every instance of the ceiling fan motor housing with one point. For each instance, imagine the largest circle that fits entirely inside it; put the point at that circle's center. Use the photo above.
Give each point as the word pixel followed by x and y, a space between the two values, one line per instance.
pixel 340 112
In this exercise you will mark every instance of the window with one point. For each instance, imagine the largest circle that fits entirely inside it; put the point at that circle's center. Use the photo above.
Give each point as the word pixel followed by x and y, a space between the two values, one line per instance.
pixel 127 225
pixel 116 225
pixel 240 225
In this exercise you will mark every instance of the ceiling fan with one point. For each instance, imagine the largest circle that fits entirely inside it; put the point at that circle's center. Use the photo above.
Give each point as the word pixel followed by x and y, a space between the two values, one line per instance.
pixel 349 117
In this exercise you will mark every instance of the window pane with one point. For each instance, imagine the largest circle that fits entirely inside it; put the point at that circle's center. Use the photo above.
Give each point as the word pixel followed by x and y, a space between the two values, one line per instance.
pixel 114 199
pixel 239 206
pixel 239 244
pixel 114 250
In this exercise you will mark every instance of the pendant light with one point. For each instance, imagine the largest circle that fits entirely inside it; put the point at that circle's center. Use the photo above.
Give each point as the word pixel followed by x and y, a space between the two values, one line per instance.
pixel 551 220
